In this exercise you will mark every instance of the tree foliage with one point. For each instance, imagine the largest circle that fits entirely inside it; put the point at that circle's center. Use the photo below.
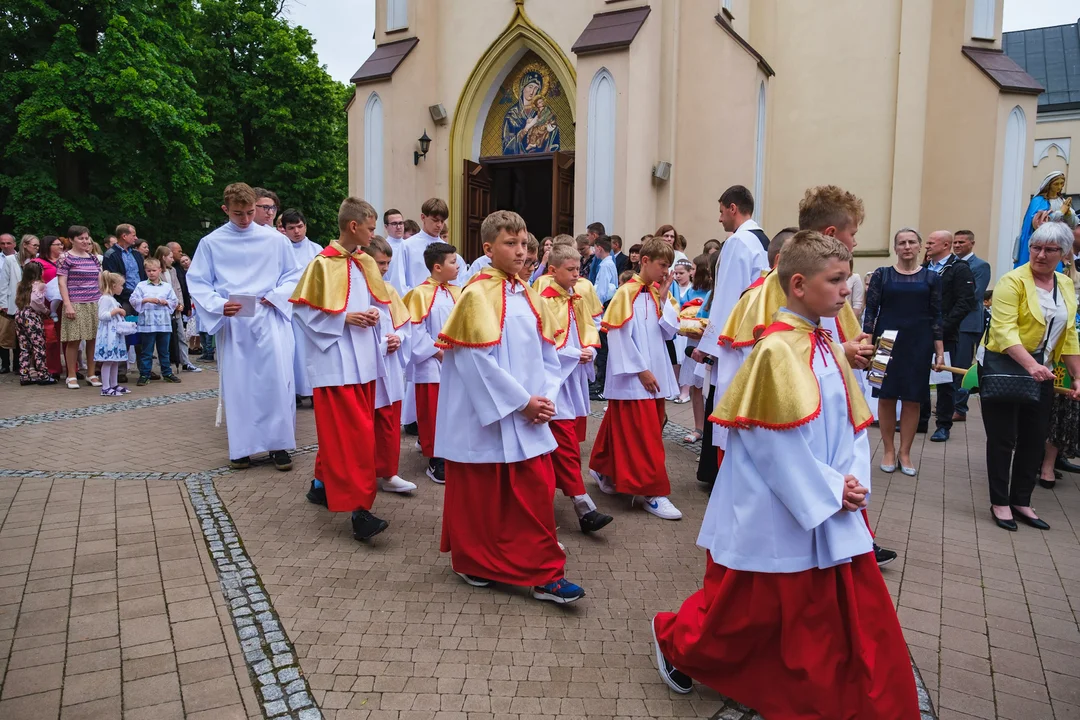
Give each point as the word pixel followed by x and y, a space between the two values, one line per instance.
pixel 141 111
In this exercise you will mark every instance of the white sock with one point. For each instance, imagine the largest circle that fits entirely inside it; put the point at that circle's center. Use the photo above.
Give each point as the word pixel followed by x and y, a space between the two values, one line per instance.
pixel 583 505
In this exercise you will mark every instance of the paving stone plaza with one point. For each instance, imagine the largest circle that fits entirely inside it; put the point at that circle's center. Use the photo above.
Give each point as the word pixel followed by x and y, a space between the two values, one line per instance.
pixel 140 578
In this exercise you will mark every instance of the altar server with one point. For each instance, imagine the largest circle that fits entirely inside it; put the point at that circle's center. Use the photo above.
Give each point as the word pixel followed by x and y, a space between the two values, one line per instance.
pixel 500 373
pixel 295 225
pixel 576 314
pixel 815 634
pixel 336 304
pixel 250 267
pixel 628 455
pixel 430 304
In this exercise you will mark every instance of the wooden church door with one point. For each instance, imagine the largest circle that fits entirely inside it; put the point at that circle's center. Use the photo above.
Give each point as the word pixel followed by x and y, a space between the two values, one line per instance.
pixel 477 207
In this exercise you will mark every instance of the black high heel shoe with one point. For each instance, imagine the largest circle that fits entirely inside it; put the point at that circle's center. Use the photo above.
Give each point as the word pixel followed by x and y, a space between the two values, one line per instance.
pixel 1036 523
pixel 1009 525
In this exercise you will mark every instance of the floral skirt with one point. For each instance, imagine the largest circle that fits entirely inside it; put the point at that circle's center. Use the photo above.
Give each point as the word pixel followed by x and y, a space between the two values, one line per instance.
pixel 1065 426
pixel 81 327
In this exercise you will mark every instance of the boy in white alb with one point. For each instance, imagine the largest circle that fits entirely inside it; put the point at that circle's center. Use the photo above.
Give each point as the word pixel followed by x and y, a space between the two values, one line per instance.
pixel 430 304
pixel 390 389
pixel 816 634
pixel 576 311
pixel 500 370
pixel 433 216
pixel 628 455
pixel 336 306
pixel 295 225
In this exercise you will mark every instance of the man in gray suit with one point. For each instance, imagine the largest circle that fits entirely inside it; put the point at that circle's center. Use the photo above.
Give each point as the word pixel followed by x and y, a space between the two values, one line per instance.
pixel 971 327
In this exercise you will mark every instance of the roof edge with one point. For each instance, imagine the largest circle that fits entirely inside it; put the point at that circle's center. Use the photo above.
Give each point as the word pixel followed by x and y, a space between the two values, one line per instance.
pixel 581 48
pixel 973 54
pixel 359 79
pixel 761 61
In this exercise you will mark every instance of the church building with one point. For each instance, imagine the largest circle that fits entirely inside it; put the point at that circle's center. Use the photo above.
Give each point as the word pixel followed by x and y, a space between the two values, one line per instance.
pixel 640 113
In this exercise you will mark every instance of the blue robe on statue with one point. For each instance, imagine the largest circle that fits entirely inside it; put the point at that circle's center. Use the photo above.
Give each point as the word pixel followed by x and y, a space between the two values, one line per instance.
pixel 1037 205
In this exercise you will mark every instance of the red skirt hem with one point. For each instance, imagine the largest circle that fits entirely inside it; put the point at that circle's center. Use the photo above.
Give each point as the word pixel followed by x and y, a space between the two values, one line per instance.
pixel 566 458
pixel 427 407
pixel 345 461
pixel 388 440
pixel 629 447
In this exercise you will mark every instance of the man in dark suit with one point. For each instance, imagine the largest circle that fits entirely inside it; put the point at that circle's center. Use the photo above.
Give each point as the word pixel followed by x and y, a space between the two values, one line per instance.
pixel 957 300
pixel 622 260
pixel 971 327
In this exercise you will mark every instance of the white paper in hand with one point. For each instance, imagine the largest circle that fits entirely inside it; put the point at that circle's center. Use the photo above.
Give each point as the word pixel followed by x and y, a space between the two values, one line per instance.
pixel 710 340
pixel 247 304
pixel 940 378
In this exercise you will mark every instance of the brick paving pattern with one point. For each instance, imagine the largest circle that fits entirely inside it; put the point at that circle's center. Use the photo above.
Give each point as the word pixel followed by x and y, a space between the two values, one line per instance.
pixel 112 601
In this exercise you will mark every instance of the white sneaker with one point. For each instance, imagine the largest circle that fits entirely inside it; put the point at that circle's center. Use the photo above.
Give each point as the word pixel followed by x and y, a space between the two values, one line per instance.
pixel 416 447
pixel 191 368
pixel 396 484
pixel 603 482
pixel 661 507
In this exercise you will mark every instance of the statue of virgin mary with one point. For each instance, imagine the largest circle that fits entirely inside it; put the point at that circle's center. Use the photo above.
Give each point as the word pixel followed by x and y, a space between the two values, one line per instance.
pixel 1051 198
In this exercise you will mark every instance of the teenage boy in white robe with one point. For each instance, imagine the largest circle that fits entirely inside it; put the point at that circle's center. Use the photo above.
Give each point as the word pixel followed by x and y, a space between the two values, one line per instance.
pixel 295 225
pixel 816 634
pixel 433 216
pixel 500 371
pixel 394 223
pixel 254 351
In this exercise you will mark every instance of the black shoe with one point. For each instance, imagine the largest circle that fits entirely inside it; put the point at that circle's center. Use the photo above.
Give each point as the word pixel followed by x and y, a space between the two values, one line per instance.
pixel 597 395
pixel 593 521
pixel 171 378
pixel 366 526
pixel 299 401
pixel 24 383
pixel 154 375
pixel 1066 466
pixel 240 463
pixel 317 495
pixel 436 470
pixel 4 370
pixel 143 380
pixel 281 459
pixel 884 556
pixel 1048 484
pixel 678 681
pixel 47 381
pixel 412 429
pixel 1033 522
pixel 940 435
pixel 1009 525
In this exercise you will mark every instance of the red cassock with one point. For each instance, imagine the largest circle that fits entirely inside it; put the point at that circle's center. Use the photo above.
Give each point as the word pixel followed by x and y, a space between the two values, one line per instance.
pixel 345 462
pixel 629 447
pixel 795 646
pixel 427 407
pixel 499 521
pixel 387 440
pixel 566 459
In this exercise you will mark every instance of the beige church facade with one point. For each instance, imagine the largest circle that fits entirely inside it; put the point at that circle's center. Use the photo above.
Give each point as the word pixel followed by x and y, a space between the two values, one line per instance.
pixel 637 114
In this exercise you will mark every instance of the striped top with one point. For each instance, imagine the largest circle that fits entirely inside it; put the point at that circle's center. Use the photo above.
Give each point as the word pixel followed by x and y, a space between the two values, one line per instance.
pixel 82 277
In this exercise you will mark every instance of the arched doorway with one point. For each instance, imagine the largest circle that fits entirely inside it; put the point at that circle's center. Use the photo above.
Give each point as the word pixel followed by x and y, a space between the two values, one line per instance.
pixel 513 135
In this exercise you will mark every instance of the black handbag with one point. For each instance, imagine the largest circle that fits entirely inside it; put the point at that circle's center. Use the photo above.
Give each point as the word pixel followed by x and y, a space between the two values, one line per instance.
pixel 1002 379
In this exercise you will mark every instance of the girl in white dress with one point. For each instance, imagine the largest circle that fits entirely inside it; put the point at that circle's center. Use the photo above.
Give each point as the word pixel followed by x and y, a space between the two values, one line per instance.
pixel 111 347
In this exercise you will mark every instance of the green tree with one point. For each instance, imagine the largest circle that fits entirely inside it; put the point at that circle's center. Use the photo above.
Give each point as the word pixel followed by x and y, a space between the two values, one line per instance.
pixel 279 116
pixel 102 122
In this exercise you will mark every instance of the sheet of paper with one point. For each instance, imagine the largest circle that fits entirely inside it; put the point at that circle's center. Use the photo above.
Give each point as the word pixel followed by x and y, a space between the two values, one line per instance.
pixel 940 378
pixel 709 343
pixel 247 304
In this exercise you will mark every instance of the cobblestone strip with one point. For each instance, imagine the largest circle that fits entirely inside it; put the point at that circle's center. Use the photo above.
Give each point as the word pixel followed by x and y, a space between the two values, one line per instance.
pixel 271 660
pixel 105 408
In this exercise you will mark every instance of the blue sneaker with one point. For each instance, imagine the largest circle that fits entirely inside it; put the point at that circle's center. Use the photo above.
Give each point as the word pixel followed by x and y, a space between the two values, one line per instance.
pixel 561 591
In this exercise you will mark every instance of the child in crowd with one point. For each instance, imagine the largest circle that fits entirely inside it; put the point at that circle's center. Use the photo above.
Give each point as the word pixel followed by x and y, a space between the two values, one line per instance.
pixel 576 313
pixel 390 388
pixel 500 371
pixel 430 304
pixel 625 276
pixel 628 455
pixel 693 296
pixel 155 302
pixel 433 216
pixel 33 311
pixel 532 253
pixel 111 347
pixel 816 634
pixel 335 303
pixel 682 279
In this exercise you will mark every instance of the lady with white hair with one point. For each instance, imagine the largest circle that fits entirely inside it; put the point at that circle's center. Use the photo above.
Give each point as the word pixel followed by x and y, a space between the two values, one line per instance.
pixel 1032 328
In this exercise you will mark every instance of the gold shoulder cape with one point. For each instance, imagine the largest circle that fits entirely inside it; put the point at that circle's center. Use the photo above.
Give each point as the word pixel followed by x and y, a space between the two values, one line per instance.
pixel 477 318
pixel 540 283
pixel 760 303
pixel 621 308
pixel 325 283
pixel 776 387
pixel 420 299
pixel 559 301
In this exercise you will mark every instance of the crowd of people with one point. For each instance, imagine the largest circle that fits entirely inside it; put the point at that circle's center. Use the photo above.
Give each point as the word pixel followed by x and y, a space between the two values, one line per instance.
pixel 492 365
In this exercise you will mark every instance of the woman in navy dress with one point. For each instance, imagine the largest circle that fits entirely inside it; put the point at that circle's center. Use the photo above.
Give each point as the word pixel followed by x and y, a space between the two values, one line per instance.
pixel 907 298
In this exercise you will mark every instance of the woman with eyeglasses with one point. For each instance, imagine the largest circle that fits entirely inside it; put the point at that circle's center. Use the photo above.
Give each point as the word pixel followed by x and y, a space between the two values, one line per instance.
pixel 1033 322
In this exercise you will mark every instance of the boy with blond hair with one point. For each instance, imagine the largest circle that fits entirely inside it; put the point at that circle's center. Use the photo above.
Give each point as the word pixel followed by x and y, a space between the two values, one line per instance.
pixel 576 313
pixel 495 404
pixel 336 304
pixel 817 635
pixel 245 266
pixel 628 455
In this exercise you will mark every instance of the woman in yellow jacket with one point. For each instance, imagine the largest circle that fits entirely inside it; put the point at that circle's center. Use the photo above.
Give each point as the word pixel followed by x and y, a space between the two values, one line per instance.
pixel 1033 321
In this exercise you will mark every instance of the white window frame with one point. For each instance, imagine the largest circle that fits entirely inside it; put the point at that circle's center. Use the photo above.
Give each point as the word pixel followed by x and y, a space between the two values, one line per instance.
pixel 373 155
pixel 600 166
pixel 397 15
pixel 983 19
pixel 759 155
pixel 1010 205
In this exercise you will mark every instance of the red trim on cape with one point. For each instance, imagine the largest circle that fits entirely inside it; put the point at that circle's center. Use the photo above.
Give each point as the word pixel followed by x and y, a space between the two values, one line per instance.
pixel 329 251
pixel 440 286
pixel 641 286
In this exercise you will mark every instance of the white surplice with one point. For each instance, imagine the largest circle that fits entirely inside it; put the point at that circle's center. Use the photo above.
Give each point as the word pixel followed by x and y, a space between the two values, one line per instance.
pixel 390 388
pixel 422 367
pixel 396 274
pixel 254 354
pixel 305 250
pixel 478 264
pixel 777 502
pixel 640 345
pixel 483 389
pixel 572 401
pixel 336 353
pixel 412 251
